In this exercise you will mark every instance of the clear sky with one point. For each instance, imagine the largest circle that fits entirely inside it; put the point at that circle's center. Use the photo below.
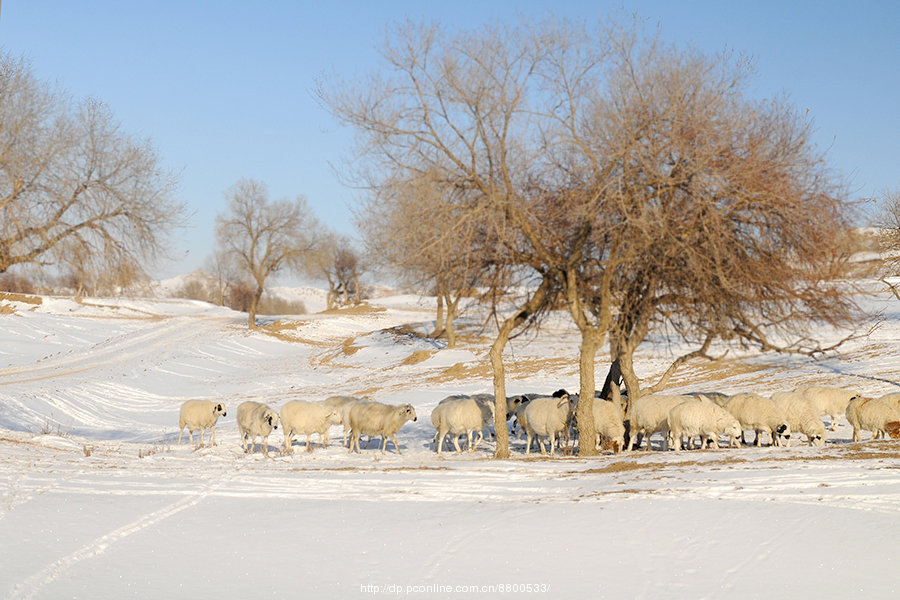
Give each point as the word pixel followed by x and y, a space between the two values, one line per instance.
pixel 223 88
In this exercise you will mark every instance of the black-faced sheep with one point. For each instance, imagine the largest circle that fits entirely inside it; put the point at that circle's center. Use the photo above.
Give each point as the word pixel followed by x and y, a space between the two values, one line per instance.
pixel 374 419
pixel 546 417
pixel 199 415
pixel 256 420
pixel 299 417
pixel 759 414
pixel 802 416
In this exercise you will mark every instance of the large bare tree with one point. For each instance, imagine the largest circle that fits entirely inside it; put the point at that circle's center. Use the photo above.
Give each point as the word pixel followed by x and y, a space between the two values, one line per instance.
pixel 454 109
pixel 732 225
pixel 637 180
pixel 71 181
pixel 263 237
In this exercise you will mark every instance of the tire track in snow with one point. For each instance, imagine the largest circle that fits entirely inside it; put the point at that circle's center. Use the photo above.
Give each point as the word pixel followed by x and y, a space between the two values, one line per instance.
pixel 32 585
pixel 120 349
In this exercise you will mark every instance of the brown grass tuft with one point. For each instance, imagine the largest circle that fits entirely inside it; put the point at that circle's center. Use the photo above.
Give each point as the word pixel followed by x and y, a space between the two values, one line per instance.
pixel 25 298
pixel 417 357
pixel 359 309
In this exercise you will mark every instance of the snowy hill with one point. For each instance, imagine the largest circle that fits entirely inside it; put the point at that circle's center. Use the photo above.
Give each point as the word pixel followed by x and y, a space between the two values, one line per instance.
pixel 99 500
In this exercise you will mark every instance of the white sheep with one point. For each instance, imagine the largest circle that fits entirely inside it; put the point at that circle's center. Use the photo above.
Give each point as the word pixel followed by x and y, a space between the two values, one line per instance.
pixel 719 398
pixel 704 418
pixel 546 417
pixel 256 420
pixel 199 415
pixel 343 404
pixel 802 415
pixel 374 418
pixel 609 424
pixel 518 425
pixel 299 417
pixel 871 414
pixel 649 414
pixel 759 414
pixel 893 399
pixel 831 401
pixel 458 416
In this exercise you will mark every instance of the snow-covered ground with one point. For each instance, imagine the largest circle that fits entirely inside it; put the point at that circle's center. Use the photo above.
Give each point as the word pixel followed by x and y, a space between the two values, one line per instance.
pixel 97 500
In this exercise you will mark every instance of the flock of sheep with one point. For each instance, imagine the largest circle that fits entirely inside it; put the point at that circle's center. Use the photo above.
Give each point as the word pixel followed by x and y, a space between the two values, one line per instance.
pixel 679 418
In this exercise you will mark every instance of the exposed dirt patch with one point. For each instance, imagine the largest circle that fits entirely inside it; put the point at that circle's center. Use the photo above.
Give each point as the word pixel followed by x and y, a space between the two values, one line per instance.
pixel 360 309
pixel 701 372
pixel 417 357
pixel 348 348
pixel 25 298
pixel 461 371
pixel 288 330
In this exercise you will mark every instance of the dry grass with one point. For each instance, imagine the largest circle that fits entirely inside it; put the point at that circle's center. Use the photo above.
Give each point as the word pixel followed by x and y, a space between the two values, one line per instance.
pixel 348 348
pixel 462 371
pixel 417 357
pixel 359 309
pixel 6 309
pixel 287 330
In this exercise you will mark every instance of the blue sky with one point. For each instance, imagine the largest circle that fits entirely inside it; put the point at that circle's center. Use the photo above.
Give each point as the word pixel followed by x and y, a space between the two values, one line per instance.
pixel 223 88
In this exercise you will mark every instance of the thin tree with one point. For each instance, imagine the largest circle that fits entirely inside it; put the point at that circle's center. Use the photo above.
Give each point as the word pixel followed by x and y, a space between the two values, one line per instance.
pixel 888 223
pixel 70 178
pixel 263 237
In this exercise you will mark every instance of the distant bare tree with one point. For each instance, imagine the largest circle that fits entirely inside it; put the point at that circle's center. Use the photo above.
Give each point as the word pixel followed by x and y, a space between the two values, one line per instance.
pixel 414 226
pixel 263 237
pixel 70 178
pixel 888 222
pixel 224 272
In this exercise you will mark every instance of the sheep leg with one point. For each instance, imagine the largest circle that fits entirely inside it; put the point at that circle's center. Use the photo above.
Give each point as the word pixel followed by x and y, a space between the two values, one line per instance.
pixel 396 446
pixel 181 433
pixel 212 433
pixel 528 445
pixel 456 443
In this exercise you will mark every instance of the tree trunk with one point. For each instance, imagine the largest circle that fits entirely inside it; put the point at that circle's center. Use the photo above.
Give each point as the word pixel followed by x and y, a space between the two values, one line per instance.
pixel 496 356
pixel 254 306
pixel 626 364
pixel 357 293
pixel 439 319
pixel 452 307
pixel 536 301
pixel 584 412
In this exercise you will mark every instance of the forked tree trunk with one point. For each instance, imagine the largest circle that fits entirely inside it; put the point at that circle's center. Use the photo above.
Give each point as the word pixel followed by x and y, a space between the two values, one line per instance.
pixel 452 308
pixel 521 316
